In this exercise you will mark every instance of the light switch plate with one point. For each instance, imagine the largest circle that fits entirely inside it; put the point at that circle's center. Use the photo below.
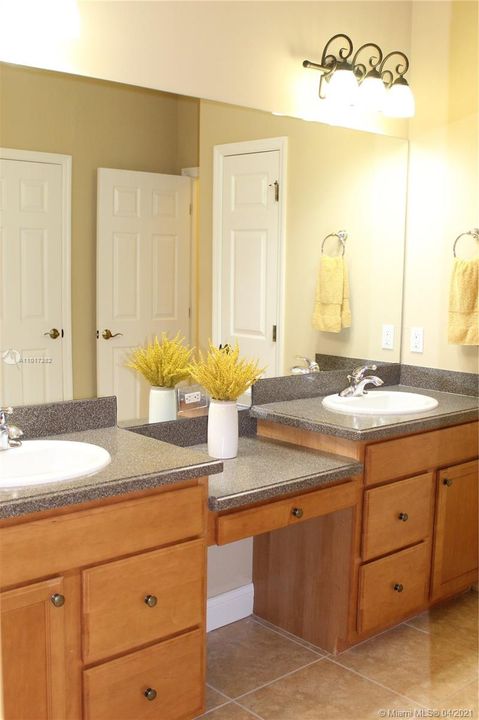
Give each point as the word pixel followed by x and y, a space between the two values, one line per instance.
pixel 388 337
pixel 417 339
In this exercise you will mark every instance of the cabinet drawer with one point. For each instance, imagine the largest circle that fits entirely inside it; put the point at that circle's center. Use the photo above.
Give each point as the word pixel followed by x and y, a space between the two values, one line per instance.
pixel 281 513
pixel 414 454
pixel 55 544
pixel 117 616
pixel 173 669
pixel 397 515
pixel 393 587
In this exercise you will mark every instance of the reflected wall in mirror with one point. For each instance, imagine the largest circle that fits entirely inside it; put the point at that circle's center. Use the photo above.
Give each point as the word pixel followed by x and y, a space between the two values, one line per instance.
pixel 336 179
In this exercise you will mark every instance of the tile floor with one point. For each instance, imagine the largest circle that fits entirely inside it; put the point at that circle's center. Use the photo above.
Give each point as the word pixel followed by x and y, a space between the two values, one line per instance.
pixel 429 663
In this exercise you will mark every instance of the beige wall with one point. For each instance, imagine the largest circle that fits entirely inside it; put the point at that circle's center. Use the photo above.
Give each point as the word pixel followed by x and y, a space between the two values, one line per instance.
pixel 100 125
pixel 443 192
pixel 336 178
pixel 246 53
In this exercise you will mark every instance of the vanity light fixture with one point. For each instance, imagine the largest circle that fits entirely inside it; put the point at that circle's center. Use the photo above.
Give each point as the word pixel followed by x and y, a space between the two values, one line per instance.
pixel 347 80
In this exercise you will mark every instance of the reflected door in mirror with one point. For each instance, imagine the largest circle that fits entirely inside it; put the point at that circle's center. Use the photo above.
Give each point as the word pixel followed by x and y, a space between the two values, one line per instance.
pixel 33 246
pixel 143 274
pixel 249 249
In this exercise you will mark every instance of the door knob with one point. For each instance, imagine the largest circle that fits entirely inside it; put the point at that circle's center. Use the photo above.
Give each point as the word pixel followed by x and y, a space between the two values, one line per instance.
pixel 108 335
pixel 403 516
pixel 447 482
pixel 53 333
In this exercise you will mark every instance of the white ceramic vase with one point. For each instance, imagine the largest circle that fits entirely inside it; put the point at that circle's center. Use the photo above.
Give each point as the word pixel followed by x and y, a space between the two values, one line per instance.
pixel 163 404
pixel 223 429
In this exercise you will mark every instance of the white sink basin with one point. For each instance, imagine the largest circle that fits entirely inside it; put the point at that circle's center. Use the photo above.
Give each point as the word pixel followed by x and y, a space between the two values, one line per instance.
pixel 45 461
pixel 381 402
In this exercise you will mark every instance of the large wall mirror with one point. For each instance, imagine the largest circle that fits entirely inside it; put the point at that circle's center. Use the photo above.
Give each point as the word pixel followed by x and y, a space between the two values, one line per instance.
pixel 332 179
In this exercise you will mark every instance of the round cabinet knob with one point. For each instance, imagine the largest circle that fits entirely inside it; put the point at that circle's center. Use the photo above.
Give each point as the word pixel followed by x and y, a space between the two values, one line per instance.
pixel 403 516
pixel 151 600
pixel 398 587
pixel 150 693
pixel 297 512
pixel 447 482
pixel 58 600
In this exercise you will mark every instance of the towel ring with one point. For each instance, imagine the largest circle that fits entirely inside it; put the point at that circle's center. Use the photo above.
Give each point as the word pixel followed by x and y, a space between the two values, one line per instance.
pixel 475 234
pixel 342 236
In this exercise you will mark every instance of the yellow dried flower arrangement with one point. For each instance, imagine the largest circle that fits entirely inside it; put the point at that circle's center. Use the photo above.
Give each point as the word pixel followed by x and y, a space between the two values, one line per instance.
pixel 164 363
pixel 224 374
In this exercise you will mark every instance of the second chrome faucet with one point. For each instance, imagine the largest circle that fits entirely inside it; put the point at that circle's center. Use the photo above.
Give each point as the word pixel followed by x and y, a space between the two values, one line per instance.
pixel 358 381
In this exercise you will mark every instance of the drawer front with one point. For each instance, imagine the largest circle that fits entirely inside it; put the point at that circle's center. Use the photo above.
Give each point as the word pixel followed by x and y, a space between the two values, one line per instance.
pixel 393 587
pixel 52 545
pixel 173 671
pixel 414 454
pixel 281 513
pixel 397 515
pixel 141 599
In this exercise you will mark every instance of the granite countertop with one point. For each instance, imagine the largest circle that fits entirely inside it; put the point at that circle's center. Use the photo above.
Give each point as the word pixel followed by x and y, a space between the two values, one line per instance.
pixel 137 463
pixel 309 414
pixel 268 469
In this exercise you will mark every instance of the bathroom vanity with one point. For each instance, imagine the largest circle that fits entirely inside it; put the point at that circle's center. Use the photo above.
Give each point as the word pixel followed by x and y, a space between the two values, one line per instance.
pixel 416 525
pixel 103 579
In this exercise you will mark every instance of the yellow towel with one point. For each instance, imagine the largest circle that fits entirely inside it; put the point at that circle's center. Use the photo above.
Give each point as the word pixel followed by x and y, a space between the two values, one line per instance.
pixel 331 309
pixel 464 303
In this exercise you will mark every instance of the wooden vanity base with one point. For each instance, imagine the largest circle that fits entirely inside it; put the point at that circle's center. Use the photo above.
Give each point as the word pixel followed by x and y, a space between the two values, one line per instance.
pixel 302 578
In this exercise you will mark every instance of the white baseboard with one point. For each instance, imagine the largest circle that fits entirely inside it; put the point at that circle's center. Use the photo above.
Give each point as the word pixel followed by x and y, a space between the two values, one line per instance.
pixel 229 606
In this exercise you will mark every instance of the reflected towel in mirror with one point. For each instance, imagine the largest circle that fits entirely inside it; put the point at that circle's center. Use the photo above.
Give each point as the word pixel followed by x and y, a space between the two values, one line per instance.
pixel 331 310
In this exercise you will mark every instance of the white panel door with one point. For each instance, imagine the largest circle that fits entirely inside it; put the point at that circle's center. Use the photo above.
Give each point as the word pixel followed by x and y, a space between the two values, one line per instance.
pixel 31 263
pixel 143 274
pixel 250 255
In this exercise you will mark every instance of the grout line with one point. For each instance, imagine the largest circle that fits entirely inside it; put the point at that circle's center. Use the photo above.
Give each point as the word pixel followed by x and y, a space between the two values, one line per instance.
pixel 251 712
pixel 281 677
pixel 426 632
pixel 376 682
pixel 220 692
pixel 288 636
pixel 208 712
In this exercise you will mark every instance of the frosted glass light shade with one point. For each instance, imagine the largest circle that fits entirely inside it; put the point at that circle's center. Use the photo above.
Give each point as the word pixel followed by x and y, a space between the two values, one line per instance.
pixel 372 94
pixel 399 100
pixel 342 89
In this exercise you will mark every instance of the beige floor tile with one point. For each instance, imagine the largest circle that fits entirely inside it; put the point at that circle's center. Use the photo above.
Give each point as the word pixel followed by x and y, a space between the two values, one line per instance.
pixel 454 621
pixel 229 712
pixel 214 698
pixel 467 698
pixel 324 691
pixel 423 667
pixel 245 655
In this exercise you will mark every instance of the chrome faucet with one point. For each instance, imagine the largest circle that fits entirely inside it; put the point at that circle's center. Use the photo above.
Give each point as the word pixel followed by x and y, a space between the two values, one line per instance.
pixel 358 382
pixel 9 434
pixel 310 367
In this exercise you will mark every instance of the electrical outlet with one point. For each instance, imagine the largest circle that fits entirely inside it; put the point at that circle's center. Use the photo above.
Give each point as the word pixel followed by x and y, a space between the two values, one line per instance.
pixel 417 339
pixel 388 337
pixel 192 397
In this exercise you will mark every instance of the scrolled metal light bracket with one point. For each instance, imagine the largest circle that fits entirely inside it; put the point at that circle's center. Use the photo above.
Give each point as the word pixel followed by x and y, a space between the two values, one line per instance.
pixel 371 65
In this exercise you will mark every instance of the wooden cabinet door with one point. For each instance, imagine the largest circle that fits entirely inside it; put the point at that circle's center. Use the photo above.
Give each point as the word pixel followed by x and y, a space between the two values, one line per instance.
pixel 33 652
pixel 455 559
